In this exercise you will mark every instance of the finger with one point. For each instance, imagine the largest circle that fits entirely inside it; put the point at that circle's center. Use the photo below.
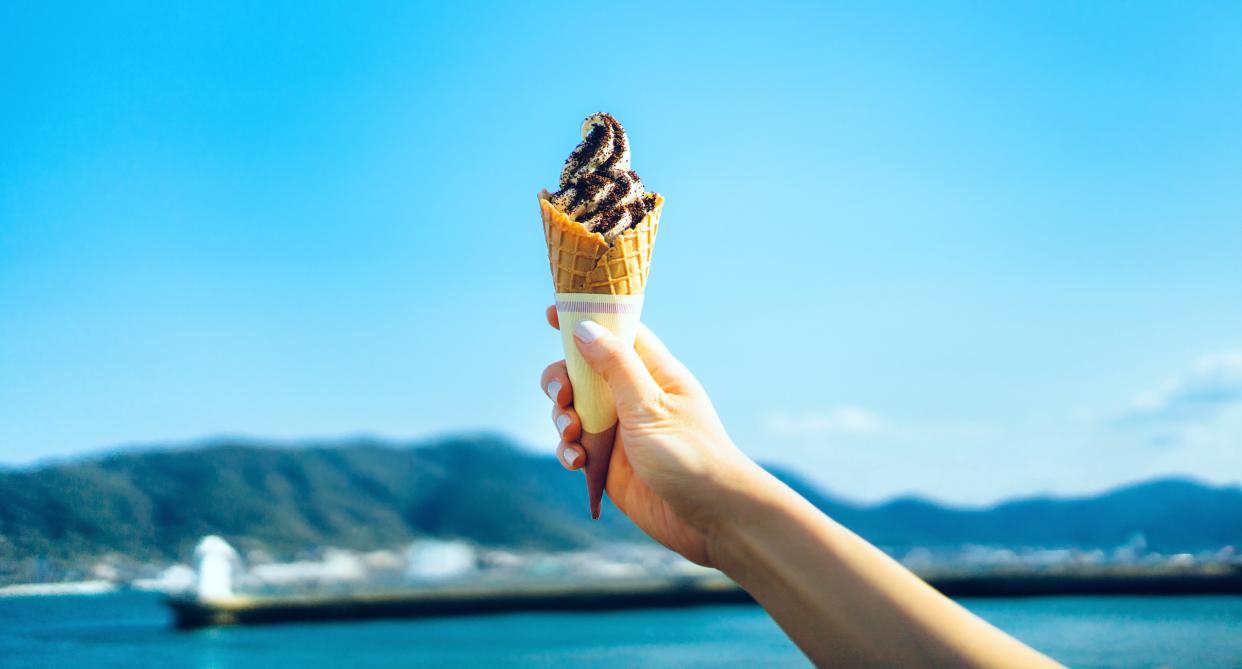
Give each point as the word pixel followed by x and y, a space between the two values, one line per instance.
pixel 567 423
pixel 619 364
pixel 555 384
pixel 665 369
pixel 572 456
pixel 554 319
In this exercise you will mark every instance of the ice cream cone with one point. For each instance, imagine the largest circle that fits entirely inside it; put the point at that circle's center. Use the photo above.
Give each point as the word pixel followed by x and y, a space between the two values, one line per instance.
pixel 603 283
pixel 583 262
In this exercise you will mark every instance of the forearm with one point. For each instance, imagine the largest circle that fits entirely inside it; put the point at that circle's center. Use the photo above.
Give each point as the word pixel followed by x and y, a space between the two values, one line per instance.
pixel 842 600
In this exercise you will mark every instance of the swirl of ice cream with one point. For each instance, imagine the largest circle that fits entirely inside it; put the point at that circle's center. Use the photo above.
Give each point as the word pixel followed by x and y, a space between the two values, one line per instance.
pixel 598 188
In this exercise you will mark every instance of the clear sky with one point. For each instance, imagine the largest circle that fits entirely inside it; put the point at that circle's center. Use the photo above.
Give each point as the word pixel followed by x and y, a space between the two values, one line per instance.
pixel 968 251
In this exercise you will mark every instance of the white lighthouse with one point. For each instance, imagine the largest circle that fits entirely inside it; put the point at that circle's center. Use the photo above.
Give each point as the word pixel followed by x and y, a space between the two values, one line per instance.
pixel 216 562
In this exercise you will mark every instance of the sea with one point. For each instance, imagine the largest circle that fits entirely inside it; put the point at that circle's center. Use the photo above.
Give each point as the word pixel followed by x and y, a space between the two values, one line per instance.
pixel 133 630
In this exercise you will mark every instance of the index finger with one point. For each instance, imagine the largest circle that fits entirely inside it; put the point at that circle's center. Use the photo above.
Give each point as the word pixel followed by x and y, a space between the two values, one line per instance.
pixel 665 369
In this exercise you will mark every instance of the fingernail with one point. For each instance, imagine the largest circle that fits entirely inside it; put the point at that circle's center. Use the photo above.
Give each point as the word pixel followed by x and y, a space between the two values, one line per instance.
pixel 562 422
pixel 588 331
pixel 571 456
pixel 553 389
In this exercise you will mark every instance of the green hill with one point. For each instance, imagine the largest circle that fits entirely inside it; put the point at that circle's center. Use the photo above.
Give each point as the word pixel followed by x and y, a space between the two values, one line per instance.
pixel 157 504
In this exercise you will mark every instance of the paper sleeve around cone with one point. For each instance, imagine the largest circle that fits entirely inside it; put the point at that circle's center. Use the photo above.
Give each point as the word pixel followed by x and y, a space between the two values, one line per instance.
pixel 618 313
pixel 592 399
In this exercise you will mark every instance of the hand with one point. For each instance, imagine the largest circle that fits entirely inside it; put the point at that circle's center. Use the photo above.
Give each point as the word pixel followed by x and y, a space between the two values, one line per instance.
pixel 672 463
pixel 677 475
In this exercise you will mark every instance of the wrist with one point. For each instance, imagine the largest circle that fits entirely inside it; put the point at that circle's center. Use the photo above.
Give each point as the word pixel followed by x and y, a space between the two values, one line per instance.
pixel 749 499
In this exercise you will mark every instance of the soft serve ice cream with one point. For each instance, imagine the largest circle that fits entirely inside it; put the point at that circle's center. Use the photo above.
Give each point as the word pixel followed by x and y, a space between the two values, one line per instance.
pixel 598 188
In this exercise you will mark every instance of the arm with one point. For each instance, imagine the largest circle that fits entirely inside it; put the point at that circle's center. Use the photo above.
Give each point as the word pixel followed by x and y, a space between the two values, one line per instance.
pixel 678 476
pixel 842 600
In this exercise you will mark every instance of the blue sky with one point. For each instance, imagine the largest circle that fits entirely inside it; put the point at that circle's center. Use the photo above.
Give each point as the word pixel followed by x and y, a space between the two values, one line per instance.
pixel 967 251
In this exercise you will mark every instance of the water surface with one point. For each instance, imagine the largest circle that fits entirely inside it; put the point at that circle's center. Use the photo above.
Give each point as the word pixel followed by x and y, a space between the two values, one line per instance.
pixel 130 629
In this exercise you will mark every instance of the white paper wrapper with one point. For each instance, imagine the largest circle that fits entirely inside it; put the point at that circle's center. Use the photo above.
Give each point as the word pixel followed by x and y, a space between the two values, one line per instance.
pixel 592 398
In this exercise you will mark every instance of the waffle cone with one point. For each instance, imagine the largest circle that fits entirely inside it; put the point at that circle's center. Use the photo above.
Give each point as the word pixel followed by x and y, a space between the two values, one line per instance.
pixel 583 262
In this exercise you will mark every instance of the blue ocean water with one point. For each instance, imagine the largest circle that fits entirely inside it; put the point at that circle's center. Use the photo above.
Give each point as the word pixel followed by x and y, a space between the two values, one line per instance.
pixel 131 629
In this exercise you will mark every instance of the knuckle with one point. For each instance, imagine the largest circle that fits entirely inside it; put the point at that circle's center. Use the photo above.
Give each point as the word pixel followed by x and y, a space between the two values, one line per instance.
pixel 650 407
pixel 662 404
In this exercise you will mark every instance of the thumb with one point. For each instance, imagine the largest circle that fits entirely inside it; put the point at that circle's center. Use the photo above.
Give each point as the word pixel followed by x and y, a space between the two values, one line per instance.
pixel 622 369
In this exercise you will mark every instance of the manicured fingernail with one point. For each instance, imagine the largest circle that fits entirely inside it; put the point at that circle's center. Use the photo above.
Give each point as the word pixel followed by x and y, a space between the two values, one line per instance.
pixel 588 331
pixel 562 422
pixel 571 456
pixel 553 389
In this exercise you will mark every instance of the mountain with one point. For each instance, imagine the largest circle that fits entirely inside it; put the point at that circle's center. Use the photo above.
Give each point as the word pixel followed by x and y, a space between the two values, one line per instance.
pixel 1173 515
pixel 155 504
pixel 158 503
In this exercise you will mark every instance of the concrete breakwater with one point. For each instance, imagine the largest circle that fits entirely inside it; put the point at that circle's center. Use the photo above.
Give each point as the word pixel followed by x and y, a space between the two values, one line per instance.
pixel 621 594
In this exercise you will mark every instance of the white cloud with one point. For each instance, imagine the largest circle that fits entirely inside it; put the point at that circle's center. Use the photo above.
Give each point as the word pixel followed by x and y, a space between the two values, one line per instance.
pixel 862 455
pixel 841 419
pixel 1189 424
pixel 1211 385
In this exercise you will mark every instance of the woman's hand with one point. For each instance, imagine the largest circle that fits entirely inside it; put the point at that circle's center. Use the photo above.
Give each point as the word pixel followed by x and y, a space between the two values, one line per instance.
pixel 673 466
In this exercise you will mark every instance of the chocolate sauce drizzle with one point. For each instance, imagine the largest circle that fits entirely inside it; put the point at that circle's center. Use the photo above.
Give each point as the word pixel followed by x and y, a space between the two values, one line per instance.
pixel 598 188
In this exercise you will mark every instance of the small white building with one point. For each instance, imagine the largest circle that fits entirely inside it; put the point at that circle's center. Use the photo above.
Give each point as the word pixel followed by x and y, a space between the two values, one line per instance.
pixel 217 565
pixel 434 560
